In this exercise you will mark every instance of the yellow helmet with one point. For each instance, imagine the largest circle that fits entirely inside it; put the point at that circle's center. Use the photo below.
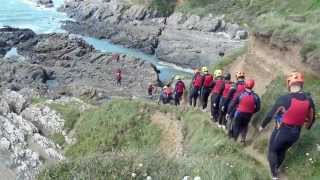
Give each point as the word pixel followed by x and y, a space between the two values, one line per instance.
pixel 178 77
pixel 218 73
pixel 204 69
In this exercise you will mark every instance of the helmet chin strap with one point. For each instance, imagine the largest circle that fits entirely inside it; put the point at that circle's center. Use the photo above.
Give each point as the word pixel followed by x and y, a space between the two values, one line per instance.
pixel 295 88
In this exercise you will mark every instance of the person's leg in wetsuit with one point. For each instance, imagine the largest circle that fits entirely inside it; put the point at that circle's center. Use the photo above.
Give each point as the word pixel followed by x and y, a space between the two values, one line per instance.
pixel 281 140
pixel 205 97
pixel 222 114
pixel 240 125
pixel 177 97
pixel 213 100
pixel 193 97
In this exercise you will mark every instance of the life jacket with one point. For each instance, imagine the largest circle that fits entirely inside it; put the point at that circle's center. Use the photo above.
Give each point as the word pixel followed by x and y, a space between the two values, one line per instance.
pixel 227 87
pixel 297 113
pixel 207 80
pixel 197 81
pixel 179 87
pixel 218 87
pixel 247 102
pixel 168 91
pixel 240 88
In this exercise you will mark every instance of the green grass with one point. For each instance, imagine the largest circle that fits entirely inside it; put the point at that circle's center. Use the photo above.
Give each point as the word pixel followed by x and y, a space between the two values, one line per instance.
pixel 38 100
pixel 228 59
pixel 113 127
pixel 70 113
pixel 58 139
pixel 115 138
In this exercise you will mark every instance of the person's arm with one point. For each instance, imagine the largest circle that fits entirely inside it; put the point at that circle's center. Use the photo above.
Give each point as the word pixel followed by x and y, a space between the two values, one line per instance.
pixel 213 83
pixel 258 103
pixel 312 115
pixel 234 104
pixel 222 88
pixel 280 102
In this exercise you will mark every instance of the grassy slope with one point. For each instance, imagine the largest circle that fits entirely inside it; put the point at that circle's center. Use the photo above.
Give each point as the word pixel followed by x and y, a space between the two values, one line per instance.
pixel 269 16
pixel 116 138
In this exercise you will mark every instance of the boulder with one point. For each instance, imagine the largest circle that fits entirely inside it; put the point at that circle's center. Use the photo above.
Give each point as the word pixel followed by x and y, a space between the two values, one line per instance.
pixel 16 101
pixel 4 144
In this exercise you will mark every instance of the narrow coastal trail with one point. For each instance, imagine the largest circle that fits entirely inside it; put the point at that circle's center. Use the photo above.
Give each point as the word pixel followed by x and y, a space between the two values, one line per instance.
pixel 171 143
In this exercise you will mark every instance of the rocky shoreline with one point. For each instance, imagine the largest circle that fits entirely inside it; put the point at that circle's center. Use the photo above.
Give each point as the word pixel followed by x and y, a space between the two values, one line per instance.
pixel 62 64
pixel 186 40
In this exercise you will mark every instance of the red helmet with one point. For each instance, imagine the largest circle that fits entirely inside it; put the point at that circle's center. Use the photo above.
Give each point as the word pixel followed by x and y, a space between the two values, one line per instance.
pixel 249 84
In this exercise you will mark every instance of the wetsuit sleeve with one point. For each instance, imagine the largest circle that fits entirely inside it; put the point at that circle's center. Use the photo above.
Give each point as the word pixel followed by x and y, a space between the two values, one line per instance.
pixel 229 96
pixel 234 104
pixel 222 88
pixel 312 115
pixel 258 103
pixel 280 102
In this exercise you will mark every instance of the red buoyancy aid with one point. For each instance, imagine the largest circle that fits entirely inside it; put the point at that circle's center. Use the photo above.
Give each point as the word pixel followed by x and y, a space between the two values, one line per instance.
pixel 207 80
pixel 240 89
pixel 247 102
pixel 218 86
pixel 227 87
pixel 197 81
pixel 179 87
pixel 297 113
pixel 168 91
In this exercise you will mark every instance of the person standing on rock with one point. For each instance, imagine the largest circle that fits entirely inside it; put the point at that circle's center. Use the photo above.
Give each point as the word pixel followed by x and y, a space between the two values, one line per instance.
pixel 234 92
pixel 224 100
pixel 178 90
pixel 246 104
pixel 206 87
pixel 118 77
pixel 217 89
pixel 150 89
pixel 293 110
pixel 196 85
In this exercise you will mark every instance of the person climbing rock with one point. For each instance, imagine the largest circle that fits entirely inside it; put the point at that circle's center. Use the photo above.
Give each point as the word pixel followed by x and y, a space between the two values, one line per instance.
pixel 206 87
pixel 196 85
pixel 224 100
pixel 151 89
pixel 178 90
pixel 246 104
pixel 234 92
pixel 118 77
pixel 217 89
pixel 166 95
pixel 294 110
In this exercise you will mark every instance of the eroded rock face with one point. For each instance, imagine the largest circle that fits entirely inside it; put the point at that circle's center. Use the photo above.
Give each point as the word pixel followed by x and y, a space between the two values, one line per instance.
pixel 186 40
pixel 20 135
pixel 62 64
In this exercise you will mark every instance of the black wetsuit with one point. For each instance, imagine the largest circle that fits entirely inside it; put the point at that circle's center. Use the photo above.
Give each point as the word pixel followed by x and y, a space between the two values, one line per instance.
pixel 291 112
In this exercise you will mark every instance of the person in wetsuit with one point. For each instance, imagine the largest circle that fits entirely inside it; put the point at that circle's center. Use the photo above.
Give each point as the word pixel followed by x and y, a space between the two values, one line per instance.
pixel 292 111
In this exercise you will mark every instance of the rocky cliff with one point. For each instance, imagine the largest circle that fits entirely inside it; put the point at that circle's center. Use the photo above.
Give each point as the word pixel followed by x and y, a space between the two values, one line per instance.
pixel 24 131
pixel 61 64
pixel 186 40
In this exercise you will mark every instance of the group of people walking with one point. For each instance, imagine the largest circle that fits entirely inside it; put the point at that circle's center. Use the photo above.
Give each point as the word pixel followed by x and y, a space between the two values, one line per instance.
pixel 232 105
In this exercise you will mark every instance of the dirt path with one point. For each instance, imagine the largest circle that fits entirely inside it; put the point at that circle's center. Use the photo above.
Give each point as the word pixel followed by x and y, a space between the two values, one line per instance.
pixel 264 63
pixel 171 136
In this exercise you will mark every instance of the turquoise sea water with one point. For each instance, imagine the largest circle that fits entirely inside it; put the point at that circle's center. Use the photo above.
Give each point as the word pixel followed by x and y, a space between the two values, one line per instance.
pixel 23 14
